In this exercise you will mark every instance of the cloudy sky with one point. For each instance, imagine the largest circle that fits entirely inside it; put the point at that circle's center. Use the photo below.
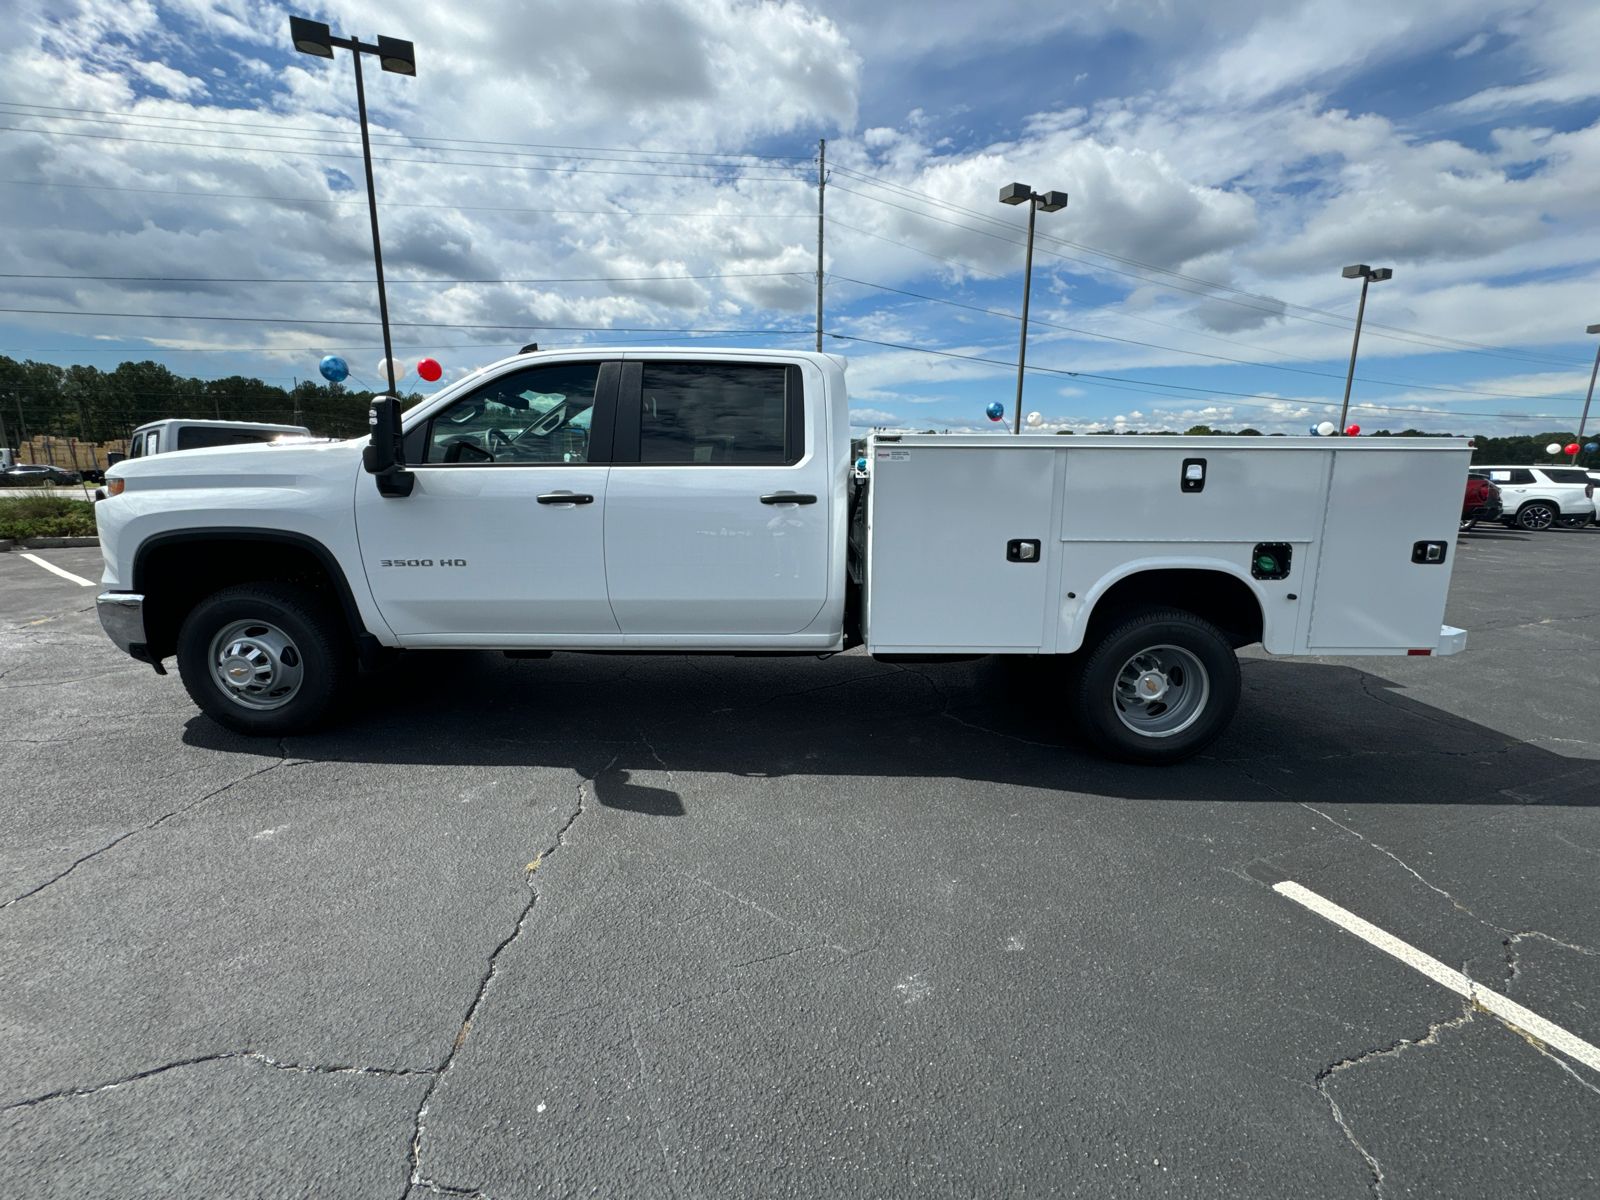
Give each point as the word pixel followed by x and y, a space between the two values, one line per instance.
pixel 644 172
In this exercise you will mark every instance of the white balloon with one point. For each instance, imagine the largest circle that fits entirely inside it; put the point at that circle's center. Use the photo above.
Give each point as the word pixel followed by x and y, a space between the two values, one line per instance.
pixel 1036 419
pixel 1553 448
pixel 1326 429
pixel 383 372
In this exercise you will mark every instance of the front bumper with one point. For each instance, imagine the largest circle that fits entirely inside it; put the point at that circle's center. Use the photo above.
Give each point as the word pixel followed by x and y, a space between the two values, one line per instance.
pixel 122 617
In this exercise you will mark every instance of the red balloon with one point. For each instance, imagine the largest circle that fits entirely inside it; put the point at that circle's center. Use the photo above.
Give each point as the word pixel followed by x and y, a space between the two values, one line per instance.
pixel 1572 448
pixel 429 369
pixel 1353 431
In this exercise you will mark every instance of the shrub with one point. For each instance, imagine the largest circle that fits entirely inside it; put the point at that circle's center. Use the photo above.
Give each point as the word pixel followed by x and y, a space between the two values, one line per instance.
pixel 45 516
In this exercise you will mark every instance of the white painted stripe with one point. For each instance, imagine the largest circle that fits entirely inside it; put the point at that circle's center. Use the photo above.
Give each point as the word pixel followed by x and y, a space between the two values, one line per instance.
pixel 1509 1011
pixel 55 570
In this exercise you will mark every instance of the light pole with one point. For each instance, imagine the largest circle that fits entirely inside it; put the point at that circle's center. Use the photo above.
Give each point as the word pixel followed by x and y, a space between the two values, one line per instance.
pixel 1021 193
pixel 1367 275
pixel 313 37
pixel 1584 420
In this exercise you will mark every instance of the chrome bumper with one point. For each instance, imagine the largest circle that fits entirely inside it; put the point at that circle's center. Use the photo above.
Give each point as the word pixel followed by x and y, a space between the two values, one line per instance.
pixel 122 617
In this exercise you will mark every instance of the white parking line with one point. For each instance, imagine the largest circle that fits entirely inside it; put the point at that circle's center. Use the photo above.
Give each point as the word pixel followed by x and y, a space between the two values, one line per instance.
pixel 55 570
pixel 1509 1011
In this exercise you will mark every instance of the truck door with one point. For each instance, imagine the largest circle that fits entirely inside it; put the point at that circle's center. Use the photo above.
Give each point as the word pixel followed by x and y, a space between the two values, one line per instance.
pixel 699 536
pixel 503 530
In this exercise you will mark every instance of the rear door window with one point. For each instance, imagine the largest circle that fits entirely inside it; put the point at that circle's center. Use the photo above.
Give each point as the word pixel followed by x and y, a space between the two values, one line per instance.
pixel 200 437
pixel 137 449
pixel 720 414
pixel 152 442
pixel 1565 474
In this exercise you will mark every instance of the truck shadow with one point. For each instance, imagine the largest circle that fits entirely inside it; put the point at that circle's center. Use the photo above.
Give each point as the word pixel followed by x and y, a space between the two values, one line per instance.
pixel 1304 732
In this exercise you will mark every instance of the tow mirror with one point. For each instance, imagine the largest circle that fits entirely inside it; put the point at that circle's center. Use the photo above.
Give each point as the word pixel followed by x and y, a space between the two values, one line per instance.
pixel 385 455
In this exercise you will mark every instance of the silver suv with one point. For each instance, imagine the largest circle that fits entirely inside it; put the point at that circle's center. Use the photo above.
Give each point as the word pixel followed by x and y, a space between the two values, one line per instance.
pixel 1536 498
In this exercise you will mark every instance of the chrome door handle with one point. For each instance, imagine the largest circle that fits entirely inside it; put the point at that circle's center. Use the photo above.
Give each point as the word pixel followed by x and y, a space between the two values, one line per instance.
pixel 565 498
pixel 788 498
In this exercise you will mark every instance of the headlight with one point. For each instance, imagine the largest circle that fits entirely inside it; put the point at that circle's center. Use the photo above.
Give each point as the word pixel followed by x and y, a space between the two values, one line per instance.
pixel 114 486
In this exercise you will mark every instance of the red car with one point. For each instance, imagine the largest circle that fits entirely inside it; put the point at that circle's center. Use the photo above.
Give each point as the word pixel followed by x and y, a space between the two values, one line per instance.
pixel 1482 501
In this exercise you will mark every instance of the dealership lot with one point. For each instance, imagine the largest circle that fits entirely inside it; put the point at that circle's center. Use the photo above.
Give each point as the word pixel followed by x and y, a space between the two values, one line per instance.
pixel 735 927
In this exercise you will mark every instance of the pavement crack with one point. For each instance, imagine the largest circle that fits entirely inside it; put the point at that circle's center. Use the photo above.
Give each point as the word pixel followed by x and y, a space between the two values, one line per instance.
pixel 1326 1075
pixel 1391 854
pixel 419 1123
pixel 251 1056
pixel 283 760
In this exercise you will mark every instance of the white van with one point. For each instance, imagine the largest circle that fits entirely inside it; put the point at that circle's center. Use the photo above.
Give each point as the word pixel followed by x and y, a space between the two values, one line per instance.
pixel 160 437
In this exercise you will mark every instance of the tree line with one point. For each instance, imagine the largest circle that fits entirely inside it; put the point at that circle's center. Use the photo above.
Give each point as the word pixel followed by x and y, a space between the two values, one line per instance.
pixel 91 405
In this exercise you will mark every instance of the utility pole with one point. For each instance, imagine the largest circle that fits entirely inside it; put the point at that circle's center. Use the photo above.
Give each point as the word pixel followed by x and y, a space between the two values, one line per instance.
pixel 822 188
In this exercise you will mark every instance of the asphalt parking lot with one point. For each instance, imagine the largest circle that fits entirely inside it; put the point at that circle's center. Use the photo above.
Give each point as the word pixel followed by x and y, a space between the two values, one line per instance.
pixel 743 927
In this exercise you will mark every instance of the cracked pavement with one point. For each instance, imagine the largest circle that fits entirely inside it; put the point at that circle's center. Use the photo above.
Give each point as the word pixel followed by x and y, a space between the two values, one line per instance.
pixel 746 927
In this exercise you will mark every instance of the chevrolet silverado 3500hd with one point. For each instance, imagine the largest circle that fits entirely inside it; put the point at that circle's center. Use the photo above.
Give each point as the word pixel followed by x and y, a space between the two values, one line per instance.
pixel 706 501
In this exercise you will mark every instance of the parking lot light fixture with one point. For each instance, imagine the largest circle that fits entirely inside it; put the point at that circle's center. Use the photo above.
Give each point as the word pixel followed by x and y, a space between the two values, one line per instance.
pixel 1584 420
pixel 396 56
pixel 1021 193
pixel 1367 275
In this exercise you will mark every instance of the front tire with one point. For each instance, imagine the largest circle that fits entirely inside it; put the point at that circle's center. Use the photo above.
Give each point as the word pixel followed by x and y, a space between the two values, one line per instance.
pixel 266 659
pixel 1157 688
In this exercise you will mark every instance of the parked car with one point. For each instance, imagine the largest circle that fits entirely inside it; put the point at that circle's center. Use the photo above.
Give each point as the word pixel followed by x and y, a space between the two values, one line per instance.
pixel 37 475
pixel 1482 501
pixel 1535 498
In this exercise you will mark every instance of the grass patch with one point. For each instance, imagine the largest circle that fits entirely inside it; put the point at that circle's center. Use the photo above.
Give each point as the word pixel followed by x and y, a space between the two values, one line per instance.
pixel 45 516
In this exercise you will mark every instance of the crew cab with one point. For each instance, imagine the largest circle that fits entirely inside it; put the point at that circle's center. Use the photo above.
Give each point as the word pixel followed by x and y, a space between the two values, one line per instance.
pixel 708 502
pixel 183 433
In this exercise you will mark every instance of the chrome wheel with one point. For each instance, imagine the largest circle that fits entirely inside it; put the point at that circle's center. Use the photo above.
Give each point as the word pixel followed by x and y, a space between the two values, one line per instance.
pixel 256 665
pixel 1160 691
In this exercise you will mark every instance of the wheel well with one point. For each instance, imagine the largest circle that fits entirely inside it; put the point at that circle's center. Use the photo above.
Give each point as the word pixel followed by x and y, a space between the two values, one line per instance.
pixel 177 571
pixel 1224 600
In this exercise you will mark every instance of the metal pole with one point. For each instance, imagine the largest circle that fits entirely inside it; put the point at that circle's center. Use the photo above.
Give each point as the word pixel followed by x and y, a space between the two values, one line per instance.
pixel 1027 287
pixel 1584 420
pixel 1344 413
pixel 372 207
pixel 822 186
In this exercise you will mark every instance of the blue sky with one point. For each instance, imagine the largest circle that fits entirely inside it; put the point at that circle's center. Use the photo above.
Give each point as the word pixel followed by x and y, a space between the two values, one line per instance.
pixel 615 171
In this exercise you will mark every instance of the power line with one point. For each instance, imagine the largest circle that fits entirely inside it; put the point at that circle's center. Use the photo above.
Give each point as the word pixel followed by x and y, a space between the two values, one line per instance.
pixel 1206 283
pixel 527 325
pixel 368 279
pixel 1196 353
pixel 1144 384
pixel 463 141
pixel 434 162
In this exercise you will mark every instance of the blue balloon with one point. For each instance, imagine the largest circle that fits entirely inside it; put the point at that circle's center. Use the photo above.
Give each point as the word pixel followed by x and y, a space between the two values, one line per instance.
pixel 334 369
pixel 1591 447
pixel 996 411
pixel 1314 431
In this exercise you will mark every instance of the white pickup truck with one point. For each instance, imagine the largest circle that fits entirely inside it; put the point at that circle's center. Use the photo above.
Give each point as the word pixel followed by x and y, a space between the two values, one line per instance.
pixel 707 502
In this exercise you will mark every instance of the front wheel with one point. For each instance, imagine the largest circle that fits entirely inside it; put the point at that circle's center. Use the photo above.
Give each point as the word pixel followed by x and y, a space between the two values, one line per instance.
pixel 1466 525
pixel 266 659
pixel 1157 688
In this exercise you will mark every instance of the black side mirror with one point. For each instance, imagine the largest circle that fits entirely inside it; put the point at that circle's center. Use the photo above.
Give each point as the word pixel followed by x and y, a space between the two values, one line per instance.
pixel 385 455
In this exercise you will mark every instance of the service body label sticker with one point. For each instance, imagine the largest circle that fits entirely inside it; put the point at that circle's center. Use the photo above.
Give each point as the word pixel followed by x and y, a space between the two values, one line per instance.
pixel 896 455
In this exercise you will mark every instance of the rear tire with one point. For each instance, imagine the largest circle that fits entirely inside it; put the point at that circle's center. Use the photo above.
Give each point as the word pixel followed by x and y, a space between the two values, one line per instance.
pixel 1466 525
pixel 1536 517
pixel 1157 688
pixel 266 659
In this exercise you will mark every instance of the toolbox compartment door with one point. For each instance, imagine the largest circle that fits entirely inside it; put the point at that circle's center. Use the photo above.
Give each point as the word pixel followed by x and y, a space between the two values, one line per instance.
pixel 1370 595
pixel 938 575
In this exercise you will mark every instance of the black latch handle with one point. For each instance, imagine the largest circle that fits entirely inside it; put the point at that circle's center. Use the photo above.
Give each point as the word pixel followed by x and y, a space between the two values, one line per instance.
pixel 788 498
pixel 566 498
